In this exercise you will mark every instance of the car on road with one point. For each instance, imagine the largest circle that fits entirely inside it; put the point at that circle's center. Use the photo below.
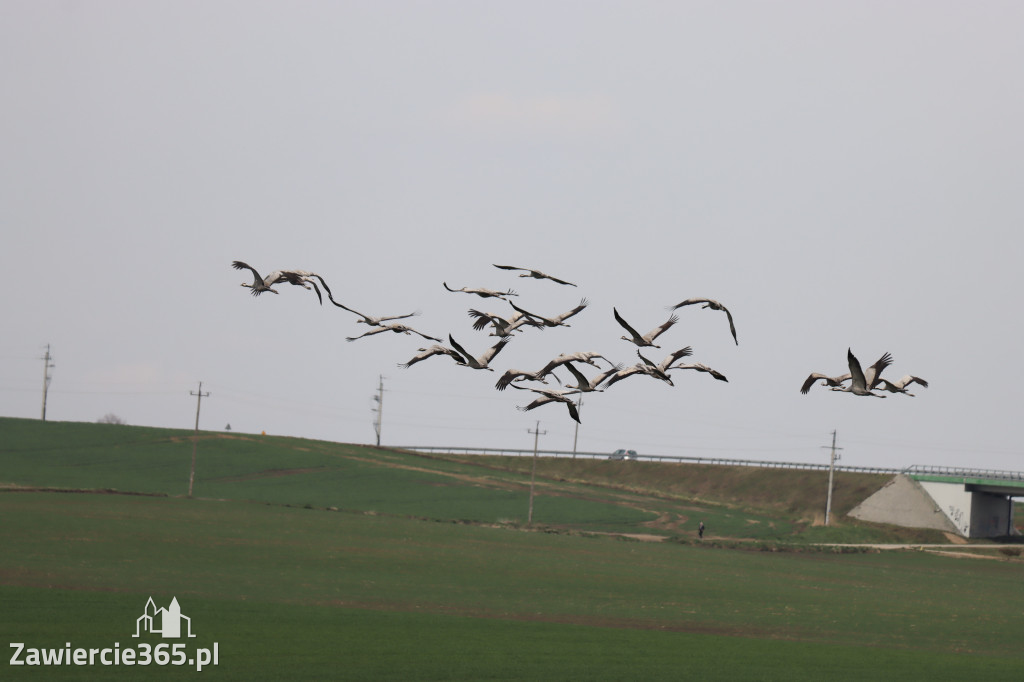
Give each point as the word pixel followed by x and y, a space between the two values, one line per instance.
pixel 624 455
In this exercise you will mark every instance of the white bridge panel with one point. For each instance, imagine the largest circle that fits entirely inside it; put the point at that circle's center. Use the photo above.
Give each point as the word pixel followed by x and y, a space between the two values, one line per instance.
pixel 954 501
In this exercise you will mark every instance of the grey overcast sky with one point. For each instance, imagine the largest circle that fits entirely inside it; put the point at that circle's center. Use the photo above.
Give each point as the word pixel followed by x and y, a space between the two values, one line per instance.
pixel 840 175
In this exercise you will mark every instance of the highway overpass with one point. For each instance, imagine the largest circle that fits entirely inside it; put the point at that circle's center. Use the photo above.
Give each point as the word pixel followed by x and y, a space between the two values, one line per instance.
pixel 971 503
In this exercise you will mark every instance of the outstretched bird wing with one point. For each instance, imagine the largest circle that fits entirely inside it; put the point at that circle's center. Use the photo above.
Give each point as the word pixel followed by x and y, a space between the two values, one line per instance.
pixel 625 325
pixel 701 367
pixel 809 381
pixel 565 316
pixel 662 328
pixel 675 355
pixel 859 382
pixel 874 373
pixel 467 358
pixel 239 265
pixel 489 354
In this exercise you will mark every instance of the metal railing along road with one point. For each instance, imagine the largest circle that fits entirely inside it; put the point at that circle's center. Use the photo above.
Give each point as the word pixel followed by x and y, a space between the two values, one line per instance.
pixel 723 461
pixel 994 474
pixel 991 474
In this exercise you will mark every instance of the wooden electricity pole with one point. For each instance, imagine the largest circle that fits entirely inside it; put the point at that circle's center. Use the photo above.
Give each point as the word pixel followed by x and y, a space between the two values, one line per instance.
pixel 379 399
pixel 47 366
pixel 831 470
pixel 576 434
pixel 195 438
pixel 537 433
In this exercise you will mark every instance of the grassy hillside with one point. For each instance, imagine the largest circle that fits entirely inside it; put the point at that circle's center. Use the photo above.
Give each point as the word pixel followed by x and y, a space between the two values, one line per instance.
pixel 785 490
pixel 587 495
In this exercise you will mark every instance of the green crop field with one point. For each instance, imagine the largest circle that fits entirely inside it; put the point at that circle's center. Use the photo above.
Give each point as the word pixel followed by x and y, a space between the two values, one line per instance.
pixel 309 560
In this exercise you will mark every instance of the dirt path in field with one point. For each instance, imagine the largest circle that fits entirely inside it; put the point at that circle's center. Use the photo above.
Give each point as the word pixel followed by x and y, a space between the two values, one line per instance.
pixel 561 488
pixel 955 550
pixel 642 537
pixel 671 521
pixel 14 488
pixel 668 521
pixel 267 473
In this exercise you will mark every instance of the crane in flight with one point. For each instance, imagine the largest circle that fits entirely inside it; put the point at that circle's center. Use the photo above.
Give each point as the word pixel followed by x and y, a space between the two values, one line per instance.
pixel 502 326
pixel 548 396
pixel 700 367
pixel 900 386
pixel 517 375
pixel 302 278
pixel 650 368
pixel 585 385
pixel 714 305
pixel 863 383
pixel 536 274
pixel 834 382
pixel 372 320
pixel 436 349
pixel 555 321
pixel 511 375
pixel 648 338
pixel 483 360
pixel 580 356
pixel 483 293
pixel 396 328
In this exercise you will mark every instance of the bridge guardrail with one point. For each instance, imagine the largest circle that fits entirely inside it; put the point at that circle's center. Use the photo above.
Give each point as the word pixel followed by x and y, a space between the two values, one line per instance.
pixel 723 461
pixel 994 474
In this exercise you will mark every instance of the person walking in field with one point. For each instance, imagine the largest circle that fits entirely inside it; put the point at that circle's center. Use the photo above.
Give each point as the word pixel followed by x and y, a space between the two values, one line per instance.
pixel 700 530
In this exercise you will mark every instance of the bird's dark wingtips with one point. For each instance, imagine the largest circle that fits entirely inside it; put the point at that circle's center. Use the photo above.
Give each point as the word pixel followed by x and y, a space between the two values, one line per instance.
pixel 324 285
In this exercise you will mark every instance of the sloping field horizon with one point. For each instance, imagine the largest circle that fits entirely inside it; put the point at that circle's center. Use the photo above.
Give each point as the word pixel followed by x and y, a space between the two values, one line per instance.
pixel 306 559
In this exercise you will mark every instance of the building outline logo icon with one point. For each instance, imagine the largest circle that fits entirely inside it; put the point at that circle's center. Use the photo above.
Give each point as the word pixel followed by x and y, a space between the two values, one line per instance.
pixel 165 622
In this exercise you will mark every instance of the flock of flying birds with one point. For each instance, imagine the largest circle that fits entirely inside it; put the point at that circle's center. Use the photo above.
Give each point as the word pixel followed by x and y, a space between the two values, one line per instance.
pixel 518 320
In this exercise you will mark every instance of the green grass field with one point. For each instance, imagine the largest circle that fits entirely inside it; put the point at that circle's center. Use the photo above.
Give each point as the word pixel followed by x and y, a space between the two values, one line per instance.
pixel 424 570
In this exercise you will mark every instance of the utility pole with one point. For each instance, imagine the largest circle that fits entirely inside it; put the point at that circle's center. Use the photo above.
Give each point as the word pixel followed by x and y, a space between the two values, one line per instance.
pixel 379 398
pixel 576 434
pixel 831 470
pixel 47 366
pixel 195 438
pixel 537 433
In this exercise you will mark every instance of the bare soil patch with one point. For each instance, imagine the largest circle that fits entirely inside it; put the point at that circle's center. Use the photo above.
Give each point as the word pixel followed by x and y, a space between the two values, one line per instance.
pixel 955 539
pixel 268 473
pixel 86 491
